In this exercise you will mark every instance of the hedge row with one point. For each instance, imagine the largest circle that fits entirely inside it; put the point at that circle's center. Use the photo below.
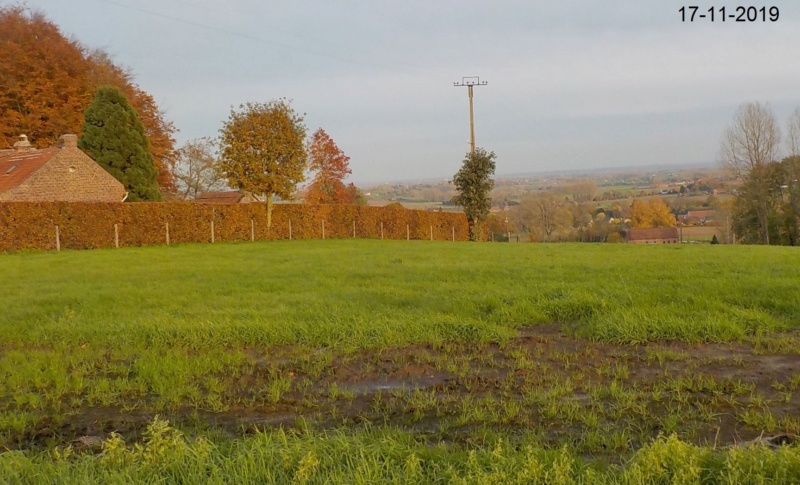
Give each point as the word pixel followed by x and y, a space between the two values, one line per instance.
pixel 83 225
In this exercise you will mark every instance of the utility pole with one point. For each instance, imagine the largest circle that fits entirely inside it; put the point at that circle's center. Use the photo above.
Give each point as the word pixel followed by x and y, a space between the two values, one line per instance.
pixel 470 82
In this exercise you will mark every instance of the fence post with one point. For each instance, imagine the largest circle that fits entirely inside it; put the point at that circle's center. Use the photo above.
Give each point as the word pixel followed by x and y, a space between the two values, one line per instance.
pixel 454 233
pixel 213 216
pixel 381 230
pixel 252 230
pixel 290 229
pixel 354 228
pixel 323 229
pixel 408 233
pixel 58 240
pixel 167 224
pixel 116 236
pixel 431 232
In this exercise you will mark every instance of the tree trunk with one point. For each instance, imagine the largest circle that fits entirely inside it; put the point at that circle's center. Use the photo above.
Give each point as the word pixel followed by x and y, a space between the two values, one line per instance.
pixel 763 219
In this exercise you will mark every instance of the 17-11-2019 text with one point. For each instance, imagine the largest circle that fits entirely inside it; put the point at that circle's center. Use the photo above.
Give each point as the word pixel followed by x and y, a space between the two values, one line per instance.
pixel 693 13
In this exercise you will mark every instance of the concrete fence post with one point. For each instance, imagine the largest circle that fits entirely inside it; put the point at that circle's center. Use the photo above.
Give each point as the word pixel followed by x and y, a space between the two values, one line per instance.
pixel 58 240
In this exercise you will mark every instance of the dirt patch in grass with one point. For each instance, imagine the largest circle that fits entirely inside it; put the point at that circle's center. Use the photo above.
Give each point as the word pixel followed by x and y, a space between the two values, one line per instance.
pixel 604 399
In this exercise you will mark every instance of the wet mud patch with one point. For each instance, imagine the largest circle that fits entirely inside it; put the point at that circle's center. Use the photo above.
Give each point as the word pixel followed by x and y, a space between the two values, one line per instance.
pixel 604 399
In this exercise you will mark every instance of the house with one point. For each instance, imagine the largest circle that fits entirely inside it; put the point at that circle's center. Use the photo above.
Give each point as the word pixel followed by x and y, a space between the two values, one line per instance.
pixel 655 235
pixel 62 174
pixel 703 215
pixel 226 197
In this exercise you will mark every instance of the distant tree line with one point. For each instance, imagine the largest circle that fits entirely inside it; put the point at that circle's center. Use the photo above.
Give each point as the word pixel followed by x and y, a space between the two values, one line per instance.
pixel 767 206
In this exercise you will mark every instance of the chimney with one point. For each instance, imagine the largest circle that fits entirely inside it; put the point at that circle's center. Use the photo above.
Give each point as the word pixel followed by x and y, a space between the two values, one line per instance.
pixel 69 141
pixel 23 144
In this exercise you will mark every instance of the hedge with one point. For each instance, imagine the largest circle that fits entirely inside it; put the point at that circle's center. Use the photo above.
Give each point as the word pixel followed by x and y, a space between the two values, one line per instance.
pixel 86 225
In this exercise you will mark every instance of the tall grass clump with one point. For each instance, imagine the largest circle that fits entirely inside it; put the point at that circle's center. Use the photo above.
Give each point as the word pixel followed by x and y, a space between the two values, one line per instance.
pixel 370 455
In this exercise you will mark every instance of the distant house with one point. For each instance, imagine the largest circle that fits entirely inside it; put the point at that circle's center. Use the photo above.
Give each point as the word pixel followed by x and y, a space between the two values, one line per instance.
pixel 704 215
pixel 226 197
pixel 62 174
pixel 655 235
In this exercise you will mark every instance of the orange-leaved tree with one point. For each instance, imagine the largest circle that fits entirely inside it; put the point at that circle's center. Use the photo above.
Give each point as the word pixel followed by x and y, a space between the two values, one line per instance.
pixel 330 167
pixel 652 213
pixel 47 81
pixel 262 150
pixel 43 82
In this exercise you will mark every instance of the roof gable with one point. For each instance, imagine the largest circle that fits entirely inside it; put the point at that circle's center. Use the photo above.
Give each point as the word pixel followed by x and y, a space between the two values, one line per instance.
pixel 652 233
pixel 17 166
pixel 221 197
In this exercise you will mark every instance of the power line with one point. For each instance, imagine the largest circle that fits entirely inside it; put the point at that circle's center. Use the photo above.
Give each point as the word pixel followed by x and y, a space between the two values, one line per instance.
pixel 239 34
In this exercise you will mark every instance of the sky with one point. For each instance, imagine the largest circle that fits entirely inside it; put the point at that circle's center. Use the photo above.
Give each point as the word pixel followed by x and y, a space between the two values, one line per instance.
pixel 571 84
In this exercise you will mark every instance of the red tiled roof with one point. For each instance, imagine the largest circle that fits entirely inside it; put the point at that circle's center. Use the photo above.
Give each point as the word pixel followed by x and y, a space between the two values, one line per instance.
pixel 16 167
pixel 652 233
pixel 222 197
pixel 701 214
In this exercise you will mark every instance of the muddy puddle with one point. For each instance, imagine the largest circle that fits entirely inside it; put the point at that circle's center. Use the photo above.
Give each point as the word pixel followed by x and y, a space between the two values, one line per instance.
pixel 604 399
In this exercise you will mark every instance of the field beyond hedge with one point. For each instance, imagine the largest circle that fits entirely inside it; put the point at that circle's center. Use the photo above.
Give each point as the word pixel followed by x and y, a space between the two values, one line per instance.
pixel 439 360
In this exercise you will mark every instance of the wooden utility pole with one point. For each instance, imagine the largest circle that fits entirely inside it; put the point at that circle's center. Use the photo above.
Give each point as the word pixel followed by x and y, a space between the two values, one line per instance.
pixel 470 82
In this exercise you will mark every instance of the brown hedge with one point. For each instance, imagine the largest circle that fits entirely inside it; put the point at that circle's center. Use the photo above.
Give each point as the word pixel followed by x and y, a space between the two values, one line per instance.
pixel 83 225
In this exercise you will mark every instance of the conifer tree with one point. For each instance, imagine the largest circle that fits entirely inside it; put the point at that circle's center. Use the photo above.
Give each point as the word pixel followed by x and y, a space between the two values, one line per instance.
pixel 114 136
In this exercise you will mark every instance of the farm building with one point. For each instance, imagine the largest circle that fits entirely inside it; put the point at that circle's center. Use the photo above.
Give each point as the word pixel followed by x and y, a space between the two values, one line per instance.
pixel 61 174
pixel 703 215
pixel 226 197
pixel 654 235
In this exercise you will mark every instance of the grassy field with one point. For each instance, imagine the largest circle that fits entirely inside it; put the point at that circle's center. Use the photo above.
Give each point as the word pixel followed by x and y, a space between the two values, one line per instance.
pixel 402 361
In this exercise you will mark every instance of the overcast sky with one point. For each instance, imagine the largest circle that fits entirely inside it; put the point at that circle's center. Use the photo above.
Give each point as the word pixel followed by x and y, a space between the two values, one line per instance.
pixel 571 84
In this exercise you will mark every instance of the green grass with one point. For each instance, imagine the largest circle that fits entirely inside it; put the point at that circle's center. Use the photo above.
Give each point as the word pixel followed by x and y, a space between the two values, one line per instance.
pixel 372 293
pixel 198 331
pixel 388 456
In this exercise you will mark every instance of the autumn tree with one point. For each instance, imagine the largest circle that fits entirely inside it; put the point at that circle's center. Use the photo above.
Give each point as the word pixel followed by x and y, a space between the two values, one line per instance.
pixel 650 213
pixel 790 192
pixel 543 213
pixel 114 137
pixel 47 81
pixel 330 166
pixel 582 191
pixel 43 79
pixel 757 207
pixel 355 195
pixel 749 146
pixel 262 150
pixel 793 140
pixel 723 208
pixel 196 169
pixel 473 183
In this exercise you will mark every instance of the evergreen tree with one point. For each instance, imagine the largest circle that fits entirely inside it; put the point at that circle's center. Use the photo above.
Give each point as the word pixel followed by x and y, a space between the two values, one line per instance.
pixel 473 183
pixel 114 136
